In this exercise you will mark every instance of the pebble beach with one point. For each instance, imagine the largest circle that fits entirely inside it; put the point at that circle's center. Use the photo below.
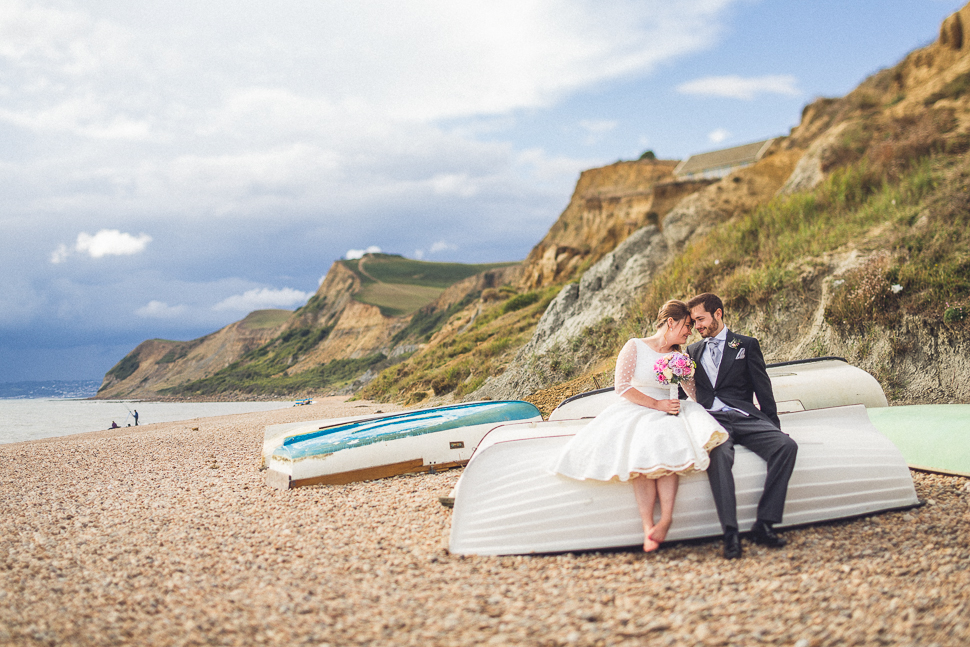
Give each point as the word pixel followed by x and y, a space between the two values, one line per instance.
pixel 165 534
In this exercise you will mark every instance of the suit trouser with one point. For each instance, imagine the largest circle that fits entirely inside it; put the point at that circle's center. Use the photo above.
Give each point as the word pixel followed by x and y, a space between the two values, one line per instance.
pixel 768 442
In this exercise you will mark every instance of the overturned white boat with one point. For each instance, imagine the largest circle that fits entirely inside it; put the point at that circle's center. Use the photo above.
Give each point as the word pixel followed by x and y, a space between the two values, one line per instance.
pixel 343 451
pixel 509 502
pixel 800 385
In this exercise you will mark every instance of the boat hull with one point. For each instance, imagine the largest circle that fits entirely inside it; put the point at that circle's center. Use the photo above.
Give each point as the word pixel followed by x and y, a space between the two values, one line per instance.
pixel 401 443
pixel 802 385
pixel 508 502
pixel 275 435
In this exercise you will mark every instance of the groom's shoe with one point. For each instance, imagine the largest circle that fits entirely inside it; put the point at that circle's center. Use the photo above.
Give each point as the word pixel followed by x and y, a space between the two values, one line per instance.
pixel 732 544
pixel 763 534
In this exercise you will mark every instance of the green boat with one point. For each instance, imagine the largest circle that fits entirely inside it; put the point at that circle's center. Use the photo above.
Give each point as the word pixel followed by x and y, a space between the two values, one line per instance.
pixel 931 437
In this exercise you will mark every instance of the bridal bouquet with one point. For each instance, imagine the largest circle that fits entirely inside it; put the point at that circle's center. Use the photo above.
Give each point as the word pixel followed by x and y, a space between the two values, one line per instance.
pixel 673 369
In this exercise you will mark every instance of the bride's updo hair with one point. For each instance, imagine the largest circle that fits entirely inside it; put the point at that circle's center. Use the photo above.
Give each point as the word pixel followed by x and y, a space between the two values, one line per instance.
pixel 674 309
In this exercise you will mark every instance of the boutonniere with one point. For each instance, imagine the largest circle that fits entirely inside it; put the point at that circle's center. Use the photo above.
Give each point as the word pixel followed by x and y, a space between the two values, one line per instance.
pixel 734 343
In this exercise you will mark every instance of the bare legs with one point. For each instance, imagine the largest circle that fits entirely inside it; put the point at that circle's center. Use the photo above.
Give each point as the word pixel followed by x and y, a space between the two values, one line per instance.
pixel 647 491
pixel 667 490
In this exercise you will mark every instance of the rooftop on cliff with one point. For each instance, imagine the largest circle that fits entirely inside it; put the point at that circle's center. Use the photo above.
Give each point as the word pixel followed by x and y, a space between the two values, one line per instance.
pixel 717 164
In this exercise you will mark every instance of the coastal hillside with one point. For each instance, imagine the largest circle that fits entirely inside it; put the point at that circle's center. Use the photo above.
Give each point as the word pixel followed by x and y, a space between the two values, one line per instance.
pixel 608 204
pixel 158 364
pixel 366 313
pixel 862 252
pixel 847 237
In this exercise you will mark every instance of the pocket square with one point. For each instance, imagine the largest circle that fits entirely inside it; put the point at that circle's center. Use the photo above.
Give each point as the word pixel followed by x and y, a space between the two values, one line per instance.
pixel 740 354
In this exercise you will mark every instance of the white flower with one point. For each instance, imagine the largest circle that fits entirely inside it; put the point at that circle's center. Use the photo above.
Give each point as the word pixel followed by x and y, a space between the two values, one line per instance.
pixel 838 282
pixel 896 288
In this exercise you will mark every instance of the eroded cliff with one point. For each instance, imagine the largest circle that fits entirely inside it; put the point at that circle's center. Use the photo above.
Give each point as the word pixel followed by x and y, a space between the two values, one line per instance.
pixel 848 238
pixel 608 204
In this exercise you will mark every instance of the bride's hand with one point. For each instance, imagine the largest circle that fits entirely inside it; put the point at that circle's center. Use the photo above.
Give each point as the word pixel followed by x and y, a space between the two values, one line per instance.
pixel 669 406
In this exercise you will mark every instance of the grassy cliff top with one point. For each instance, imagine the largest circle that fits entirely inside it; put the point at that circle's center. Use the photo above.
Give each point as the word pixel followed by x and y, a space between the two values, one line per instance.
pixel 391 268
pixel 266 318
pixel 400 286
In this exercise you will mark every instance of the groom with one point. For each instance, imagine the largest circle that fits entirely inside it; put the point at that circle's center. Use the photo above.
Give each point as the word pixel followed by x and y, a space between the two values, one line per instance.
pixel 732 369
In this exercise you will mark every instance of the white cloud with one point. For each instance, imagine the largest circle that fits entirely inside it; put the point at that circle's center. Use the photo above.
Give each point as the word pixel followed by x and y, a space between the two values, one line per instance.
pixel 111 242
pixel 107 242
pixel 161 310
pixel 60 254
pixel 262 112
pixel 595 129
pixel 598 126
pixel 343 122
pixel 354 254
pixel 441 246
pixel 737 87
pixel 458 184
pixel 718 135
pixel 263 298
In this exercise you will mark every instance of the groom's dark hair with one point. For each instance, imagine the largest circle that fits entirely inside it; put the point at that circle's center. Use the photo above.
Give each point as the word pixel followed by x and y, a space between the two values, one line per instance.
pixel 709 300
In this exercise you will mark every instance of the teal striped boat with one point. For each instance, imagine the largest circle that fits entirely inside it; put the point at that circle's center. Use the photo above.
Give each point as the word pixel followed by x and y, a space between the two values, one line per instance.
pixel 401 443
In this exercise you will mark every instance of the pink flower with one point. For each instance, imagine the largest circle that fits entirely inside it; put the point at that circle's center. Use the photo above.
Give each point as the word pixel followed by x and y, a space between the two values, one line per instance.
pixel 674 368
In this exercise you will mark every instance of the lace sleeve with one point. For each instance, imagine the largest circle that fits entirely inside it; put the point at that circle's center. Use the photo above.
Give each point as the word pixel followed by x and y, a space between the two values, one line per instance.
pixel 626 364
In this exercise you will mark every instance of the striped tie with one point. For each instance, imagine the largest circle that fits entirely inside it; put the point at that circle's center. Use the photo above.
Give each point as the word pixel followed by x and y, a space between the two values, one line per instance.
pixel 714 347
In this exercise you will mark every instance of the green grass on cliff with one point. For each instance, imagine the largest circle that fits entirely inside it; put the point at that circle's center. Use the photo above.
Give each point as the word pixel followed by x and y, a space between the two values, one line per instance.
pixel 389 268
pixel 264 370
pixel 261 319
pixel 258 379
pixel 910 218
pixel 396 299
pixel 914 224
pixel 462 361
pixel 400 286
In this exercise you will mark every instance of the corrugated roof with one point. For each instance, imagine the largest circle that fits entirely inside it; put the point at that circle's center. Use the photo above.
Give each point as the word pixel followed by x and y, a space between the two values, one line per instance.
pixel 724 158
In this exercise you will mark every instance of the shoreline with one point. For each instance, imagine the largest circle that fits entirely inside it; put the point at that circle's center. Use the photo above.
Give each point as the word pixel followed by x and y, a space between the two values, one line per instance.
pixel 167 536
pixel 326 404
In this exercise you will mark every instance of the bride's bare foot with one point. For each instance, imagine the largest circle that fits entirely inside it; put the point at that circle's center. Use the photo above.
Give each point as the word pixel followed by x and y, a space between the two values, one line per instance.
pixel 649 545
pixel 659 532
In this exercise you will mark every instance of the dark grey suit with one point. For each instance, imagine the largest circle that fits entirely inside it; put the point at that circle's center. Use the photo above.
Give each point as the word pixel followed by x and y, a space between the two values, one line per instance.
pixel 760 431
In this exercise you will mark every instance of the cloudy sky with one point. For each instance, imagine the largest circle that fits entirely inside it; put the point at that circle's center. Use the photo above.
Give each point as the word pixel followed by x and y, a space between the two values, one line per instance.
pixel 165 168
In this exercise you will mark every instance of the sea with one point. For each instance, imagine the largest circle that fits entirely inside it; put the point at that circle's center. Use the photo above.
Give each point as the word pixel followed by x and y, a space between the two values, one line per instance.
pixel 34 410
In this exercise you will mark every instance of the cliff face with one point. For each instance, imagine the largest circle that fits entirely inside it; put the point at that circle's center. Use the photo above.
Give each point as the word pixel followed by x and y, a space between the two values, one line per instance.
pixel 625 226
pixel 916 111
pixel 159 363
pixel 608 205
pixel 267 352
pixel 356 329
pixel 918 103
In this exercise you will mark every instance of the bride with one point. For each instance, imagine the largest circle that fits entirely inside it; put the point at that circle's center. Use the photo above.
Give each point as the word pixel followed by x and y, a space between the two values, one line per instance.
pixel 646 438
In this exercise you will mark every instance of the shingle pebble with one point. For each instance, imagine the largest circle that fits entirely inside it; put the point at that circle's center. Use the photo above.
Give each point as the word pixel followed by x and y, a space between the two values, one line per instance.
pixel 168 536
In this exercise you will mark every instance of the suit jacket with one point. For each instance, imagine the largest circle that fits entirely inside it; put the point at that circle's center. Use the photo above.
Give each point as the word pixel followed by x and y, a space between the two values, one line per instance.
pixel 738 380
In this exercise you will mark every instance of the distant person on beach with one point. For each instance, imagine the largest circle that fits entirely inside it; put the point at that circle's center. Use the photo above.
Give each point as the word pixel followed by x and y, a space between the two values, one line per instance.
pixel 648 437
pixel 732 371
pixel 136 417
pixel 114 425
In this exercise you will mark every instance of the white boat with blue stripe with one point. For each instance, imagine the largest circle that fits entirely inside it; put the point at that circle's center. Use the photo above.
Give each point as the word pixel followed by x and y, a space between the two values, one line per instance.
pixel 364 449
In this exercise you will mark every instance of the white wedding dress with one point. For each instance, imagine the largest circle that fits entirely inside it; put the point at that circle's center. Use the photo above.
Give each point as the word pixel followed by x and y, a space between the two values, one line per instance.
pixel 628 440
